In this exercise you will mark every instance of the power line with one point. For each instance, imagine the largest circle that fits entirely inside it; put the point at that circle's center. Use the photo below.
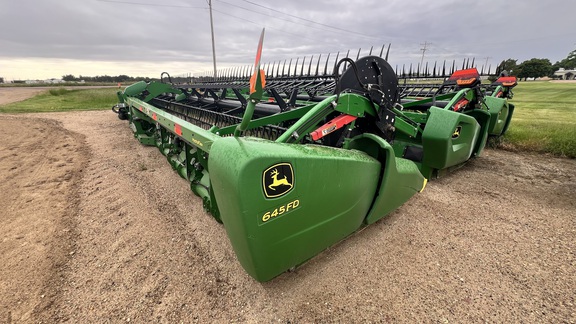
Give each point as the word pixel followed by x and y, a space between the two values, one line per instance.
pixel 260 24
pixel 308 20
pixel 283 19
pixel 150 4
pixel 293 22
pixel 206 8
pixel 209 2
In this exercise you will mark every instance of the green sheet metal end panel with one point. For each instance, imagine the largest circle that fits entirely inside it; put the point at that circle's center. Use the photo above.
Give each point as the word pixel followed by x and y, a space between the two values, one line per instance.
pixel 400 178
pixel 509 119
pixel 281 204
pixel 449 138
pixel 499 115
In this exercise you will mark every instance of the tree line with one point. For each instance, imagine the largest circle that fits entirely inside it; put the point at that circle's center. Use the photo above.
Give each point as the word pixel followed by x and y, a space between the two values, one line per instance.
pixel 536 68
pixel 101 78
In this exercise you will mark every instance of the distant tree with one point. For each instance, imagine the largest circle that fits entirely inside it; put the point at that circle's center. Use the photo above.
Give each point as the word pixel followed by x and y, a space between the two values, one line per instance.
pixel 69 77
pixel 571 60
pixel 568 63
pixel 121 78
pixel 535 68
pixel 1 80
pixel 141 78
pixel 103 78
pixel 510 66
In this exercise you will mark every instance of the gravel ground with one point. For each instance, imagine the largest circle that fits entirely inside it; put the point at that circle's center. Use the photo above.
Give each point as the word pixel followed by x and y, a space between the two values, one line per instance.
pixel 97 228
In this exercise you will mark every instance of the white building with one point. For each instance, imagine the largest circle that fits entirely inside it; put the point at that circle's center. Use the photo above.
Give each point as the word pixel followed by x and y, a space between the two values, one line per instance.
pixel 566 74
pixel 47 81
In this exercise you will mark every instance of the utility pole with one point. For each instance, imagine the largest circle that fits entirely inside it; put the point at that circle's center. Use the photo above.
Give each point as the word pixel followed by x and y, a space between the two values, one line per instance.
pixel 423 49
pixel 213 46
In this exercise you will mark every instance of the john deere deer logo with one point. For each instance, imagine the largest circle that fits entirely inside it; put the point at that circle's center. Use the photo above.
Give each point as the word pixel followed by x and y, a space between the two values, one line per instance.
pixel 457 132
pixel 278 180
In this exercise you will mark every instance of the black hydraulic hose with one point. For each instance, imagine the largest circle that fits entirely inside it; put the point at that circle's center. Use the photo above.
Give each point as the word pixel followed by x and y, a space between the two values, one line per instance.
pixel 162 77
pixel 337 74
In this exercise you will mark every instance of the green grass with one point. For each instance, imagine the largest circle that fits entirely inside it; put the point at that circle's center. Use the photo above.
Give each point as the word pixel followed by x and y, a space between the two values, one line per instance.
pixel 544 119
pixel 60 99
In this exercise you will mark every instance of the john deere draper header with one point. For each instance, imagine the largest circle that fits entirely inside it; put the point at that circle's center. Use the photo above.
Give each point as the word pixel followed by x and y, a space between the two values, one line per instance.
pixel 293 163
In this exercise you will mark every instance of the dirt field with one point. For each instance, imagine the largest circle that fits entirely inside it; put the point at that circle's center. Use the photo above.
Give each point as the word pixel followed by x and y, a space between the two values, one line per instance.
pixel 97 228
pixel 8 95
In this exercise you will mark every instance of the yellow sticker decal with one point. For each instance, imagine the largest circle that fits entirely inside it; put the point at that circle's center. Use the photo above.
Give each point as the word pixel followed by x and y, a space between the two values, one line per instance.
pixel 457 132
pixel 278 180
pixel 280 210
pixel 197 142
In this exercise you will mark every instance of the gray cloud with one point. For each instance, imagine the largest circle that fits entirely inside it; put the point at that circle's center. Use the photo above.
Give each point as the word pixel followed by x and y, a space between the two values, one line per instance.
pixel 179 31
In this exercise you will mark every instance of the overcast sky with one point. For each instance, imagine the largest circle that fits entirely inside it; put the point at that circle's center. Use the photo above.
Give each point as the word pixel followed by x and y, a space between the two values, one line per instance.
pixel 50 38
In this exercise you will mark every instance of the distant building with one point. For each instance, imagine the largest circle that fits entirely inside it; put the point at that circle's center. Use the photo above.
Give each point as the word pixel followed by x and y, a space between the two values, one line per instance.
pixel 566 74
pixel 47 81
pixel 54 81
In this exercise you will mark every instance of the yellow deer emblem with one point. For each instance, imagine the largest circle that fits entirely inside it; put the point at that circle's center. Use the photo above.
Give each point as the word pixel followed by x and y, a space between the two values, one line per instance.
pixel 277 182
pixel 457 132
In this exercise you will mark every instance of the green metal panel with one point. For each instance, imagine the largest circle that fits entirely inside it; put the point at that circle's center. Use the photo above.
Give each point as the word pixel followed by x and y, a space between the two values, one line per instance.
pixel 498 109
pixel 401 178
pixel 326 199
pixel 483 119
pixel 355 105
pixel 510 113
pixel 449 138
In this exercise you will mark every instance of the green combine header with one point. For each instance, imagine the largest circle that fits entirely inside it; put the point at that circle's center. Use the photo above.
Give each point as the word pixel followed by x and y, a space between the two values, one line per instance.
pixel 292 163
